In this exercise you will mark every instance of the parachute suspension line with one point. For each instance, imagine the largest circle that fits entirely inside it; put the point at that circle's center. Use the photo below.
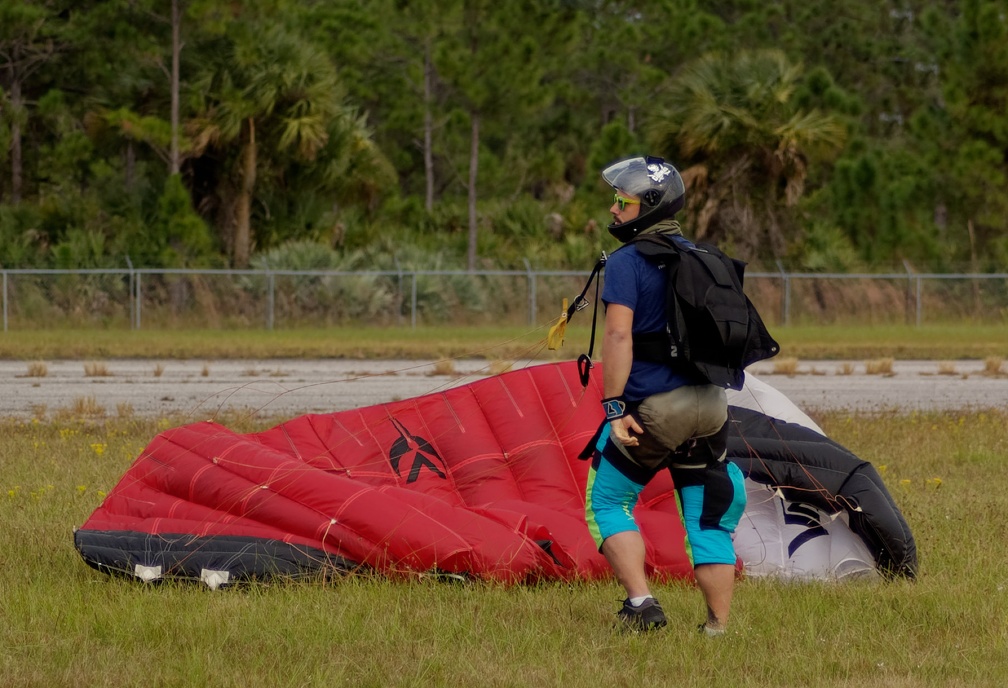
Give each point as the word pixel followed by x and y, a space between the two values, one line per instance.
pixel 226 395
pixel 842 504
pixel 244 495
pixel 440 388
pixel 509 459
pixel 818 487
pixel 528 354
pixel 556 334
pixel 216 409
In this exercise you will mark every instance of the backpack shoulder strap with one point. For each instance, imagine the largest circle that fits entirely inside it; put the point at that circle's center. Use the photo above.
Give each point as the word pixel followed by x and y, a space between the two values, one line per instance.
pixel 657 248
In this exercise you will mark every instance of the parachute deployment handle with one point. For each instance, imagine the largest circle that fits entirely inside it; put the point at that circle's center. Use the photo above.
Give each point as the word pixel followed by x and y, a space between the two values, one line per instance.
pixel 556 334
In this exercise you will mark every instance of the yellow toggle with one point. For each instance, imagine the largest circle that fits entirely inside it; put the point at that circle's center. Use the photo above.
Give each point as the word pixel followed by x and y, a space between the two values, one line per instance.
pixel 555 338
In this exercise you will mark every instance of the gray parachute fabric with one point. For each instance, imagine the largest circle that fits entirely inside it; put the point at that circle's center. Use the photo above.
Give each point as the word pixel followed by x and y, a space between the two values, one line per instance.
pixel 816 510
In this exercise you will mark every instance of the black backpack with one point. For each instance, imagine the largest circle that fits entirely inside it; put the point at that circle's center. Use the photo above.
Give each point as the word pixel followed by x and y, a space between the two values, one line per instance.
pixel 713 328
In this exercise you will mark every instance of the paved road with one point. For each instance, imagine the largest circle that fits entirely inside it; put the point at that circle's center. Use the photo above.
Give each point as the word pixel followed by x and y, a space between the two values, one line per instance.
pixel 286 388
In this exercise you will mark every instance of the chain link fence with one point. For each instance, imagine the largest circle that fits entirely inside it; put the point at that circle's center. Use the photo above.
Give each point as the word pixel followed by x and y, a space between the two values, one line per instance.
pixel 235 299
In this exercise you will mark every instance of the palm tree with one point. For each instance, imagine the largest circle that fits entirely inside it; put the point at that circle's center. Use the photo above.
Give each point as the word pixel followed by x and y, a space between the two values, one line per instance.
pixel 270 96
pixel 744 145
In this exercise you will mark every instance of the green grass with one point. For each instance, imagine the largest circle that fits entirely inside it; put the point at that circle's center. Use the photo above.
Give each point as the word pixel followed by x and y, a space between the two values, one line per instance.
pixel 67 625
pixel 352 343
pixel 934 342
pixel 930 342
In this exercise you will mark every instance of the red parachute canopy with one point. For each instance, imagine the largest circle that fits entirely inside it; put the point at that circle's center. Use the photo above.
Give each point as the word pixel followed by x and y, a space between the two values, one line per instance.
pixel 481 480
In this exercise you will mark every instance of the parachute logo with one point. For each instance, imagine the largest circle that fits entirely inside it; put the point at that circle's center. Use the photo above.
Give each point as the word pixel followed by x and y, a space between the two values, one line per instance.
pixel 796 513
pixel 421 451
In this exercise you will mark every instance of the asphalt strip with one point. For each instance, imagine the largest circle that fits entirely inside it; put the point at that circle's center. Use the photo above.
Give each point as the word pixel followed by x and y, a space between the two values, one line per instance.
pixel 199 389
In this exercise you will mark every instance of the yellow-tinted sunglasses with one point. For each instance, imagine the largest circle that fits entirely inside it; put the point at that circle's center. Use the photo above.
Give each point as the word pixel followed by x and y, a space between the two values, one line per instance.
pixel 623 202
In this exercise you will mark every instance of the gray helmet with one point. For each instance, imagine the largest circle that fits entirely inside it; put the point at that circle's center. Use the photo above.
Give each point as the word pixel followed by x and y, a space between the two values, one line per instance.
pixel 658 185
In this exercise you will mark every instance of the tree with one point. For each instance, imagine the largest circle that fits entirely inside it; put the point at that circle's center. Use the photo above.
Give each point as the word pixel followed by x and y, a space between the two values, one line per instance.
pixel 27 42
pixel 493 62
pixel 415 29
pixel 476 119
pixel 162 134
pixel 385 63
pixel 970 124
pixel 732 123
pixel 628 49
pixel 179 236
pixel 272 95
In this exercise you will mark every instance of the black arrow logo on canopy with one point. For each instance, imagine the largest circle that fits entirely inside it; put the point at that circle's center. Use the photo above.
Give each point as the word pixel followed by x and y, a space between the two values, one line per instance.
pixel 420 449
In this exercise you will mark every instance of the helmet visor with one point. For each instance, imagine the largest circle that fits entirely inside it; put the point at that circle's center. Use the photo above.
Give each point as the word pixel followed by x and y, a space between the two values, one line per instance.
pixel 629 176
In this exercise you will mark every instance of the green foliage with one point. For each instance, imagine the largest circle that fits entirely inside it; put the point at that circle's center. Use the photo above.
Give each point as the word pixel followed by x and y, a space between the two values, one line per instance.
pixel 326 297
pixel 883 193
pixel 744 146
pixel 613 142
pixel 67 155
pixel 361 120
pixel 521 219
pixel 81 248
pixel 21 243
pixel 439 297
pixel 823 248
pixel 304 255
pixel 148 129
pixel 404 224
pixel 179 238
pixel 998 256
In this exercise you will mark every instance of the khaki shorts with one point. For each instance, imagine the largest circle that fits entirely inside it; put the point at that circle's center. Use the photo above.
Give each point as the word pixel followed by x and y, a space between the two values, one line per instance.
pixel 671 418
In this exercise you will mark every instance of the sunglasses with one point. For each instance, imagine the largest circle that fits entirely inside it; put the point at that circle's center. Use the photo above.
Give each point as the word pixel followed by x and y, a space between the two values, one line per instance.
pixel 623 202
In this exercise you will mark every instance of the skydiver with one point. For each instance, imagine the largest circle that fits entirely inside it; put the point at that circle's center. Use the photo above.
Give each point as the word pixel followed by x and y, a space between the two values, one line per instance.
pixel 659 416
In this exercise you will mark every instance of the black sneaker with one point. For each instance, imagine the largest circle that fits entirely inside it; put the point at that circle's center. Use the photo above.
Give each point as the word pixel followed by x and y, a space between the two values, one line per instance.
pixel 647 617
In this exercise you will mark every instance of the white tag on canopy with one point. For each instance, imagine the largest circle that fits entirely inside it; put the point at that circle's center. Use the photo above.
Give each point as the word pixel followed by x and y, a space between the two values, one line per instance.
pixel 147 573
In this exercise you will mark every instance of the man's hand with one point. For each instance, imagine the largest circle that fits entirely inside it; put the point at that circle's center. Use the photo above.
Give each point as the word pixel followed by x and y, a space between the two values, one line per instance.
pixel 620 429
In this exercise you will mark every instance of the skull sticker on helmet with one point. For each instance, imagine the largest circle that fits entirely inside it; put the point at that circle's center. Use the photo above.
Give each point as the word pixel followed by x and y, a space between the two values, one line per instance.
pixel 657 173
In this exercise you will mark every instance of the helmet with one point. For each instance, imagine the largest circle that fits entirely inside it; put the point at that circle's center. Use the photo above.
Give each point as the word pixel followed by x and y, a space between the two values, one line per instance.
pixel 657 183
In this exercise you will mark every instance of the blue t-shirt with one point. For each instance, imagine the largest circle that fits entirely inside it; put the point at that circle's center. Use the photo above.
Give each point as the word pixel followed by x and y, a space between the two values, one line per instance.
pixel 632 281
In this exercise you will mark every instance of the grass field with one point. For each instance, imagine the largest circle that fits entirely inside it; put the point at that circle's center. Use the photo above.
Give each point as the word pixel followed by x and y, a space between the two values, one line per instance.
pixel 64 624
pixel 67 625
pixel 936 342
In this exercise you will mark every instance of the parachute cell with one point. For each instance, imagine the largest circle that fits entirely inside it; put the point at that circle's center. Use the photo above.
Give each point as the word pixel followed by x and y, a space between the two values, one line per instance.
pixel 481 480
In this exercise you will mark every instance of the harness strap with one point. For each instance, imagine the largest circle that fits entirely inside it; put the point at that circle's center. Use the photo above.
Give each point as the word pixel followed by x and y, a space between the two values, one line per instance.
pixel 584 362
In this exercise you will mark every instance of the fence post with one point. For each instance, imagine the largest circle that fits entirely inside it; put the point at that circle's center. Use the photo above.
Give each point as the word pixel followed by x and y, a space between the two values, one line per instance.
pixel 532 292
pixel 785 295
pixel 270 297
pixel 137 299
pixel 4 300
pixel 413 303
pixel 399 290
pixel 130 304
pixel 920 308
pixel 909 292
